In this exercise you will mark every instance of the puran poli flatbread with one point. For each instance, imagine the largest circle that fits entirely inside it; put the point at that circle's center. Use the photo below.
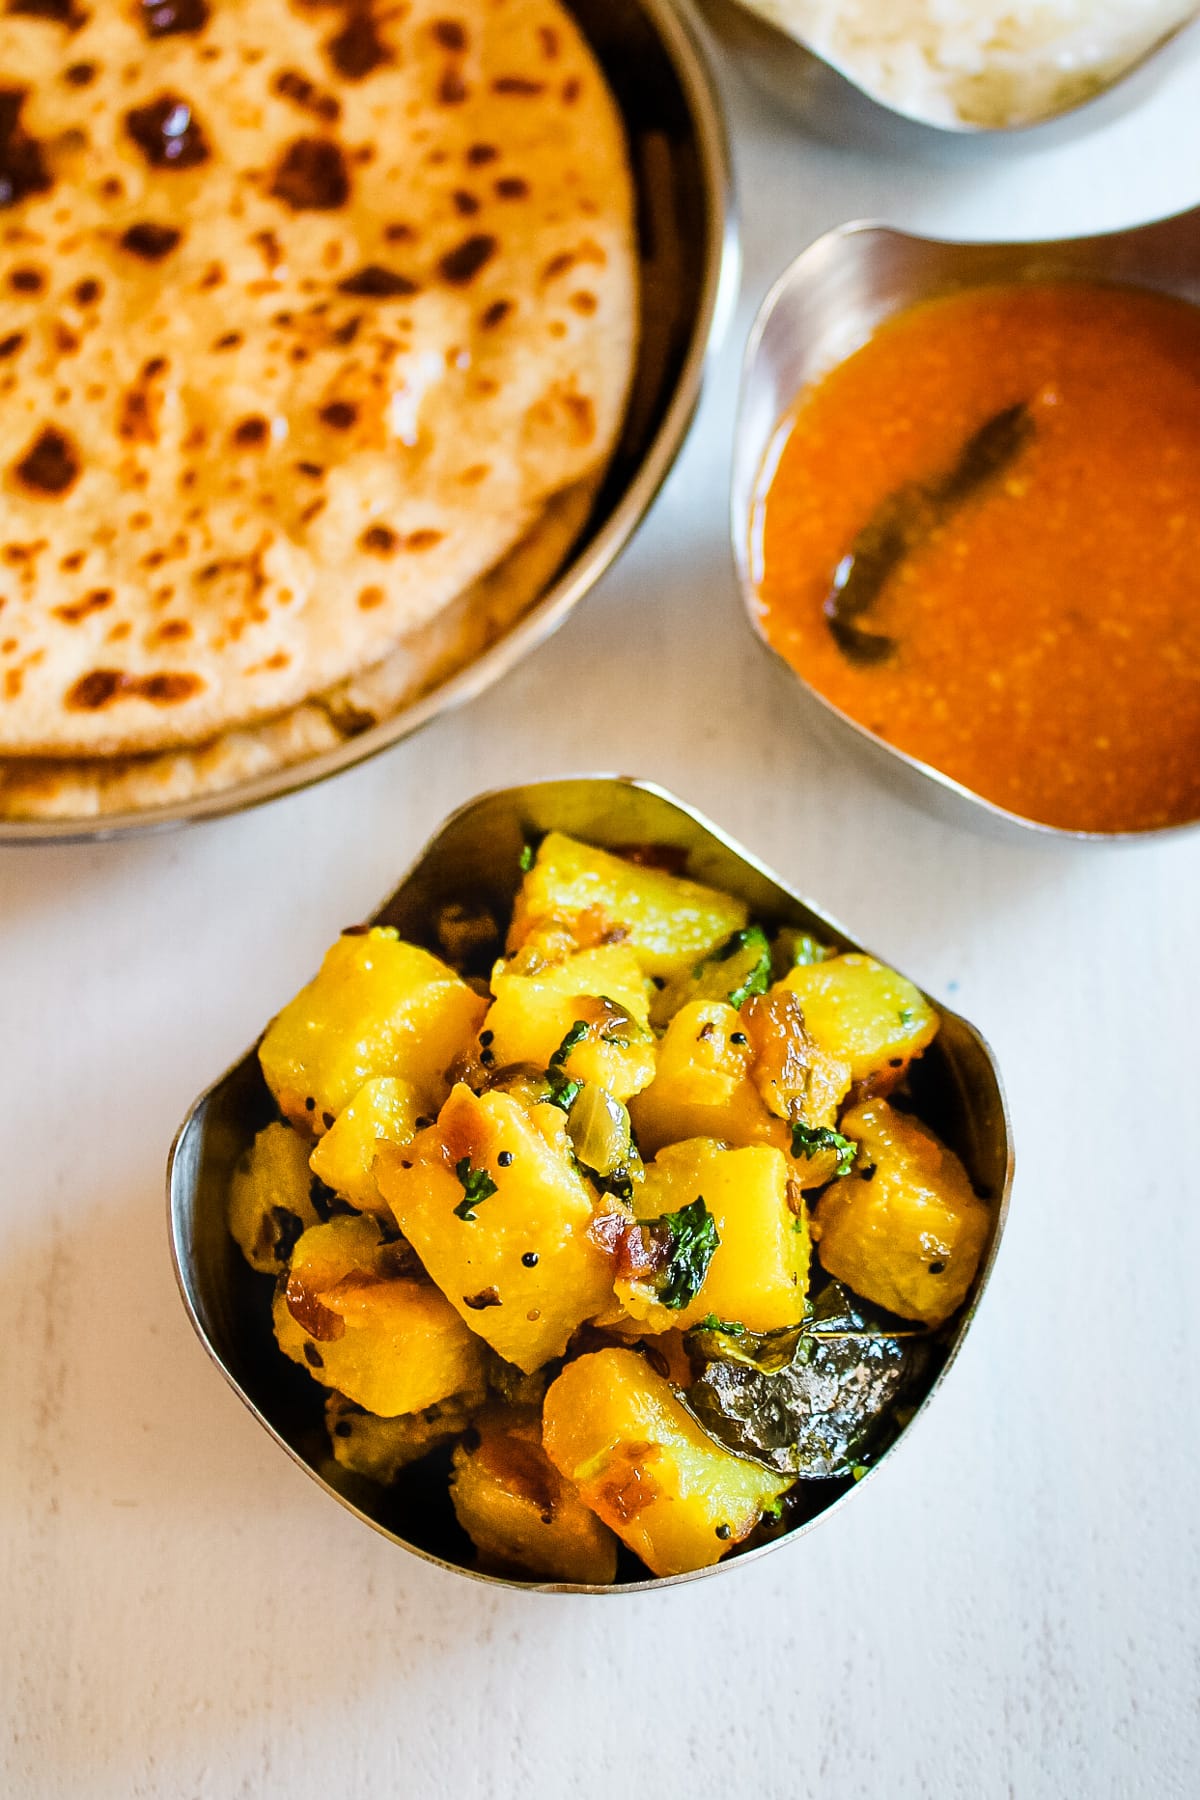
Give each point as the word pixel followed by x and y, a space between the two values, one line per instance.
pixel 306 311
pixel 78 788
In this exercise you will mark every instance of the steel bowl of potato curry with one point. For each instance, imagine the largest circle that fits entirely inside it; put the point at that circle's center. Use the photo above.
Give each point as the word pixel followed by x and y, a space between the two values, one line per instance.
pixel 597 1223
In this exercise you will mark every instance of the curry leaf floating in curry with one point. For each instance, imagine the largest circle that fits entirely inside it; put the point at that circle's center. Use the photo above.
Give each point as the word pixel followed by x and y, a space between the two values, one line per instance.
pixel 905 520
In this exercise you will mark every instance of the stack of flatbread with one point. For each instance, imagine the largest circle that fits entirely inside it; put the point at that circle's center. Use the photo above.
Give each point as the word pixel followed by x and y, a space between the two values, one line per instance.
pixel 317 320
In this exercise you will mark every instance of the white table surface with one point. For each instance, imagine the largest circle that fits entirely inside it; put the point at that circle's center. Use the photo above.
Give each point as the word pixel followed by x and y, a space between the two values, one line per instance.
pixel 1011 1608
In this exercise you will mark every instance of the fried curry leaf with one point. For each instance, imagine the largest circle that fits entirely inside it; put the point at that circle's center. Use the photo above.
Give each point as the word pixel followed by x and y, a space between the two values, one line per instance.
pixel 818 1400
pixel 807 1140
pixel 477 1186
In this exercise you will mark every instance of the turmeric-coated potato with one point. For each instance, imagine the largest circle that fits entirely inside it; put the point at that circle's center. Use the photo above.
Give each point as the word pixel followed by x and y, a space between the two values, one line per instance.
pixel 758 1276
pixel 269 1203
pixel 379 1448
pixel 864 1015
pixel 669 922
pixel 383 1111
pixel 387 1340
pixel 615 1429
pixel 494 1206
pixel 603 989
pixel 905 1229
pixel 703 1087
pixel 519 1511
pixel 375 1007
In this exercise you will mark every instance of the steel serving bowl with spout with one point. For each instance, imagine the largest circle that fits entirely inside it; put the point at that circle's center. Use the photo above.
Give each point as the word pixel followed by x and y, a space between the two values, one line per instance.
pixel 475 858
pixel 824 307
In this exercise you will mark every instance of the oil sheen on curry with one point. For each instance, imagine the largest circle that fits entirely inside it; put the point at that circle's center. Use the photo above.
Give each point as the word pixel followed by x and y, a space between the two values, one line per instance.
pixel 978 536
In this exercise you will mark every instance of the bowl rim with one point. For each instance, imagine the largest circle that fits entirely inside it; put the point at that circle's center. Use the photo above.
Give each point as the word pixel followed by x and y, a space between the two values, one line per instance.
pixel 967 128
pixel 998 1203
pixel 690 53
pixel 927 773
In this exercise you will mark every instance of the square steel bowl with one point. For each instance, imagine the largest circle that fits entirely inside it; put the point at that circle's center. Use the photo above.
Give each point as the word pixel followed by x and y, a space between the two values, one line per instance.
pixel 656 64
pixel 955 1088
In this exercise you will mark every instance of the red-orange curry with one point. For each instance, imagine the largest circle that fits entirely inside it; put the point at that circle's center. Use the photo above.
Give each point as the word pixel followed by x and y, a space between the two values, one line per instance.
pixel 981 539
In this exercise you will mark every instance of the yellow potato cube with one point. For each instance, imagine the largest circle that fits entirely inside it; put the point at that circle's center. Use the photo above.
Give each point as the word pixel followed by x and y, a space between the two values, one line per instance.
pixel 602 988
pixel 703 1087
pixel 906 1229
pixel 640 1461
pixel 269 1203
pixel 669 922
pixel 387 1340
pixel 864 1015
pixel 383 1111
pixel 379 1448
pixel 376 1007
pixel 519 1511
pixel 758 1275
pixel 519 1261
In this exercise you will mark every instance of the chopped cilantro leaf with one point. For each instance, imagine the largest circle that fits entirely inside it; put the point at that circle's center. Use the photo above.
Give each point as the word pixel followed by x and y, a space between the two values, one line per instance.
pixel 575 1036
pixel 477 1186
pixel 758 976
pixel 807 1140
pixel 692 1240
pixel 563 1090
pixel 731 1327
pixel 525 860
pixel 807 950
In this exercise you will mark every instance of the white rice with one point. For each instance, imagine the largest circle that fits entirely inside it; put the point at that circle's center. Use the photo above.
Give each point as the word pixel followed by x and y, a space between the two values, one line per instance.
pixel 983 62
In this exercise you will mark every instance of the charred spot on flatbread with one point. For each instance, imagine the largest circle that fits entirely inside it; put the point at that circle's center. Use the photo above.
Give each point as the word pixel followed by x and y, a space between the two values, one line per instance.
pixel 312 176
pixel 358 49
pixel 461 265
pixel 50 466
pixel 60 12
pixel 150 241
pixel 167 133
pixel 374 282
pixel 23 168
